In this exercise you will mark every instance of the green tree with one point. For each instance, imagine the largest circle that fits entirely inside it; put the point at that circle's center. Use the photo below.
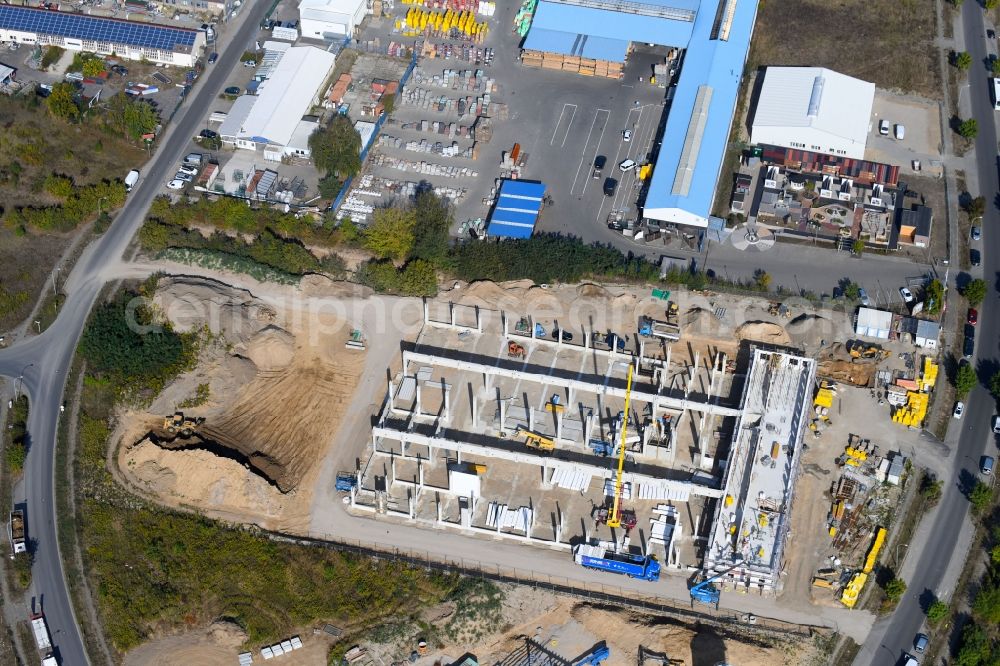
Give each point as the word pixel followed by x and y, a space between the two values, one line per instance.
pixel 956 3
pixel 895 589
pixel 961 60
pixel 762 279
pixel 58 186
pixel 930 488
pixel 976 206
pixel 995 66
pixel 93 68
pixel 129 117
pixel 937 611
pixel 934 297
pixel 968 128
pixel 858 247
pixel 391 233
pixel 418 279
pixel 433 221
pixel 987 604
pixel 980 496
pixel 990 4
pixel 336 148
pixel 974 646
pixel 974 291
pixel 965 380
pixel 62 103
pixel 852 291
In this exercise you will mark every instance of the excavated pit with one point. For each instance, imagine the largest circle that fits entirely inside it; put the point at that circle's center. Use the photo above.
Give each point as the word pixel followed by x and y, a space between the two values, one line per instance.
pixel 264 466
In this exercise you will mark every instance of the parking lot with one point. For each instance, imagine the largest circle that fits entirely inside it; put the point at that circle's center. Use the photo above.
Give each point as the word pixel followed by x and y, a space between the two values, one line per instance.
pixel 922 138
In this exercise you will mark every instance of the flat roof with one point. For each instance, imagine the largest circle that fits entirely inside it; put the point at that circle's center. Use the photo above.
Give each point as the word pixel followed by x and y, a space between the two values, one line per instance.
pixel 288 95
pixel 683 185
pixel 233 124
pixel 560 24
pixel 570 43
pixel 873 323
pixel 516 209
pixel 96 28
pixel 753 517
pixel 815 97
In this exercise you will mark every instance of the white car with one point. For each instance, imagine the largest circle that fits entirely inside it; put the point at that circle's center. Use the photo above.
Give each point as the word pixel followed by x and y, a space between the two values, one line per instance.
pixel 188 169
pixel 186 177
pixel 627 165
pixel 626 135
pixel 883 127
pixel 906 294
pixel 959 410
pixel 996 424
pixel 900 131
pixel 176 185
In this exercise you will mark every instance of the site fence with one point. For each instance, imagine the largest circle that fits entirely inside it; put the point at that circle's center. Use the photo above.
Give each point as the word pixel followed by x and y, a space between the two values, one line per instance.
pixel 595 593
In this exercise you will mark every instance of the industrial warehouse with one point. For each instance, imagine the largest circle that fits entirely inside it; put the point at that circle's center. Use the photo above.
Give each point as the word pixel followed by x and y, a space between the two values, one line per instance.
pixel 105 36
pixel 713 37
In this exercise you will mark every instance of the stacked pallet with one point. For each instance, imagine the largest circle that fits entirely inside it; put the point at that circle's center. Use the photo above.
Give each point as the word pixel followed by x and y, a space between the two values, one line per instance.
pixel 552 60
pixel 614 70
pixel 571 63
pixel 531 58
pixel 588 66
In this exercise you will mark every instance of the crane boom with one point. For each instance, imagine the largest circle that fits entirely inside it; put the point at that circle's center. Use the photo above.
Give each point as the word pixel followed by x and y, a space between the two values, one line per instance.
pixel 615 517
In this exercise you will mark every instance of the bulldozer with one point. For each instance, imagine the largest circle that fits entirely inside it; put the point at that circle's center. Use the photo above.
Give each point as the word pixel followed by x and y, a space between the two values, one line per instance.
pixel 776 309
pixel 178 424
pixel 672 312
pixel 861 349
pixel 515 350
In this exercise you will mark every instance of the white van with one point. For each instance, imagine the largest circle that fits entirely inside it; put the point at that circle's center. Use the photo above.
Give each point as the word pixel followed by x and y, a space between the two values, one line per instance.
pixel 900 131
pixel 131 179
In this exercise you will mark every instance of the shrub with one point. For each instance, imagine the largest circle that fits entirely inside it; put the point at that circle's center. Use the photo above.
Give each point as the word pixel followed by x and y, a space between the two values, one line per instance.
pixel 937 611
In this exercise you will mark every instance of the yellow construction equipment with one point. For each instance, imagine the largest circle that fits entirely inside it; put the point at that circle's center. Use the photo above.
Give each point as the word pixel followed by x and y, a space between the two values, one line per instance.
pixel 536 441
pixel 178 424
pixel 874 551
pixel 615 519
pixel 554 405
pixel 860 349
pixel 823 582
pixel 515 350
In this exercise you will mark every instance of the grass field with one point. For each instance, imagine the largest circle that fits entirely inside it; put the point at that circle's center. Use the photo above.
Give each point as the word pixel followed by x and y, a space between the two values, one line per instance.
pixel 887 43
pixel 33 146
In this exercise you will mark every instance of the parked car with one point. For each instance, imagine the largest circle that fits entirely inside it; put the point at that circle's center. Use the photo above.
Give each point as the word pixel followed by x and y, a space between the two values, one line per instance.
pixel 906 294
pixel 566 335
pixel 627 165
pixel 973 316
pixel 626 135
pixel 883 127
pixel 176 185
pixel 976 233
pixel 969 346
pixel 975 258
pixel 208 134
pixel 863 297
pixel 996 424
pixel 610 184
pixel 186 177
pixel 920 643
pixel 599 163
pixel 212 57
pixel 193 158
pixel 189 170
pixel 957 413
pixel 986 465
pixel 900 131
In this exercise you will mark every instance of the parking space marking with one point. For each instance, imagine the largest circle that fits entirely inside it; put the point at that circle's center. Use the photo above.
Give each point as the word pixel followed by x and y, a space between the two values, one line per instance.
pixel 584 164
pixel 559 124
pixel 613 164
pixel 626 187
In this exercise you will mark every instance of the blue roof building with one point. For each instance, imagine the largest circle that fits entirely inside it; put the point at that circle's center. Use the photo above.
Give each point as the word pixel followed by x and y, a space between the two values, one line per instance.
pixel 516 209
pixel 82 32
pixel 716 37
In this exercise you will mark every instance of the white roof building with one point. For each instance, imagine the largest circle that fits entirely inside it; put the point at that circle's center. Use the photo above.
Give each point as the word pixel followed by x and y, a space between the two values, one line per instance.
pixel 815 109
pixel 873 323
pixel 273 120
pixel 330 19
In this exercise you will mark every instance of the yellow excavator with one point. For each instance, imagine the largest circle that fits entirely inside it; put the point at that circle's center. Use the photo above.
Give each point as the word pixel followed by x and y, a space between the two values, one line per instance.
pixel 615 517
pixel 185 427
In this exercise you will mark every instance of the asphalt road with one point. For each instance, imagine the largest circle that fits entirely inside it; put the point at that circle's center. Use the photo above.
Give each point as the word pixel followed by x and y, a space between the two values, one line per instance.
pixel 43 362
pixel 976 437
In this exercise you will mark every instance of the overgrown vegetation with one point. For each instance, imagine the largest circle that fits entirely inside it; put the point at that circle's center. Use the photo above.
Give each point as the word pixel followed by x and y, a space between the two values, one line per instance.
pixel 200 397
pixel 155 570
pixel 336 151
pixel 974 291
pixel 478 604
pixel 16 444
pixel 51 56
pixel 930 489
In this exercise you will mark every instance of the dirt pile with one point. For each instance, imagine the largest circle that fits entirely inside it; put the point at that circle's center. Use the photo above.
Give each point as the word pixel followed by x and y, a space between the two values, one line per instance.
pixel 272 348
pixel 835 363
pixel 763 331
pixel 190 303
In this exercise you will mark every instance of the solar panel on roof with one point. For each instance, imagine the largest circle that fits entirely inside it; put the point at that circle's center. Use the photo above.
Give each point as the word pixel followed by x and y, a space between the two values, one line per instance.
pixel 96 28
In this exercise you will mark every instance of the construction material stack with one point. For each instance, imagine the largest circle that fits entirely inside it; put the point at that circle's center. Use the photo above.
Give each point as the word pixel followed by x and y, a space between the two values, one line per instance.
pixel 16 532
pixel 603 559
pixel 43 641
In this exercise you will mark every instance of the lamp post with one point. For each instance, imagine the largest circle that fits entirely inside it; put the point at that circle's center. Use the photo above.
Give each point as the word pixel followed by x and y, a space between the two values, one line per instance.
pixel 20 378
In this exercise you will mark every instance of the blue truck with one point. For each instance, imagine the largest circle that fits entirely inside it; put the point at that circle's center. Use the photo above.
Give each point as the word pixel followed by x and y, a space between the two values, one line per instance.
pixel 634 566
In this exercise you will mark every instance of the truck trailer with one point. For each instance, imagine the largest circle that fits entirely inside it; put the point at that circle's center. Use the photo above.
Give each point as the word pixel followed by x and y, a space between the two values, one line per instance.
pixel 41 631
pixel 634 566
pixel 16 532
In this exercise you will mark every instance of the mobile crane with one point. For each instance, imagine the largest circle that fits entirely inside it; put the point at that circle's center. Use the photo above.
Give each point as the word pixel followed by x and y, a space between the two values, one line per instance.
pixel 615 517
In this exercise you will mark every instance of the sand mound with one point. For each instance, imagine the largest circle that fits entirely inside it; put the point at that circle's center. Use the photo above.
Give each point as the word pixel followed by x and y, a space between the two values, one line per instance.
pixel 485 294
pixel 192 302
pixel 588 290
pixel 208 480
pixel 763 331
pixel 271 349
pixel 700 321
pixel 810 328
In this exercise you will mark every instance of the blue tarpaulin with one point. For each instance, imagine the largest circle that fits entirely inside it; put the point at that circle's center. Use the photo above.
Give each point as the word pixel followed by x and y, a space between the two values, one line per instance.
pixel 516 209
